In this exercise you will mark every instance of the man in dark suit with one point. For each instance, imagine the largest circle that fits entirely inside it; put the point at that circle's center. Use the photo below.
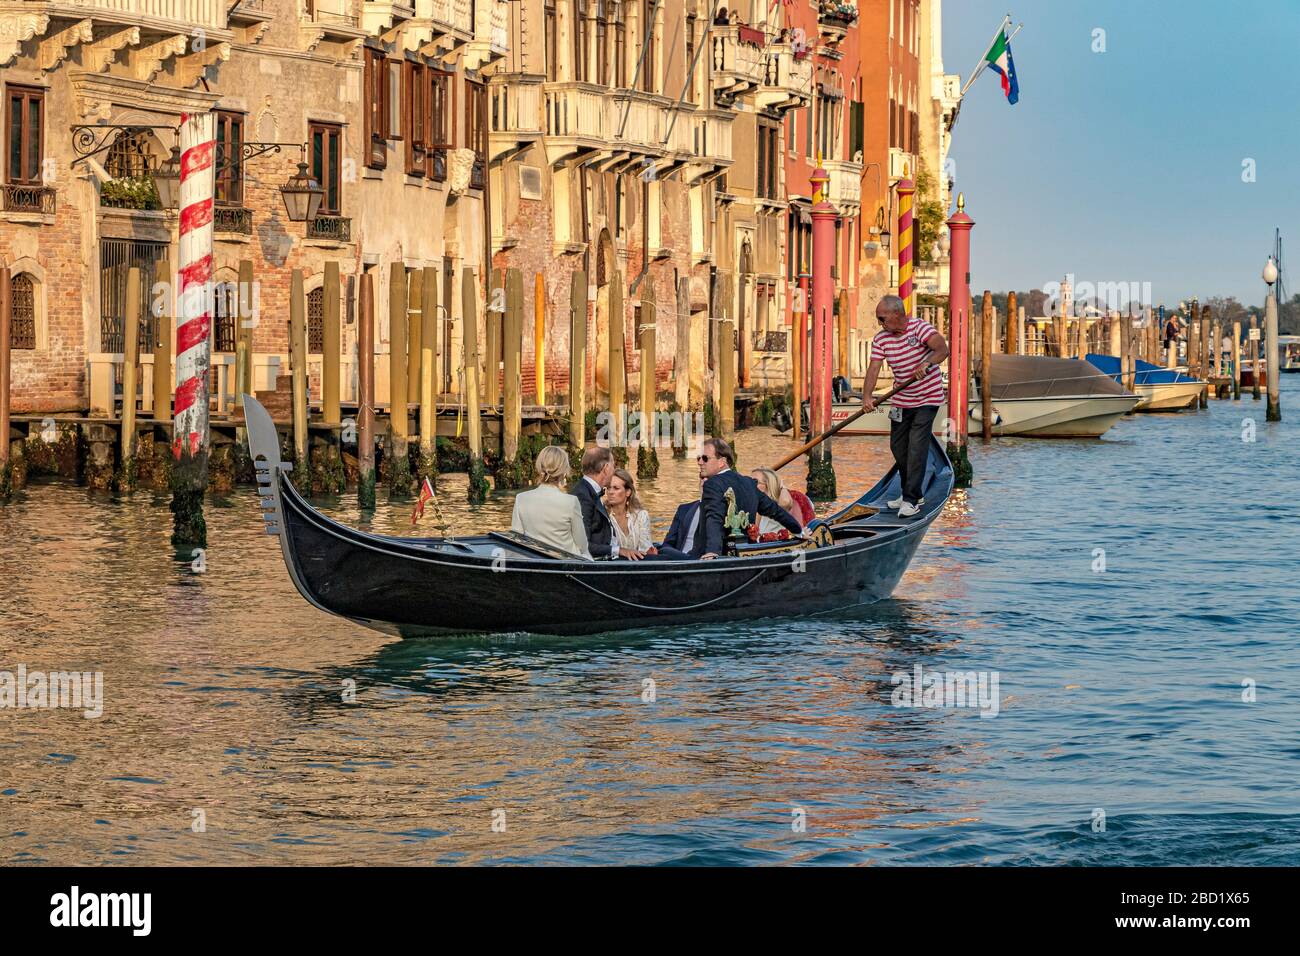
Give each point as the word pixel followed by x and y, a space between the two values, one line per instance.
pixel 716 463
pixel 597 470
pixel 684 539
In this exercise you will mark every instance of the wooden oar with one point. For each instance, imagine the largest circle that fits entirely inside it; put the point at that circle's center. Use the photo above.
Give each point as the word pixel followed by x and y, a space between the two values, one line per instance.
pixel 804 449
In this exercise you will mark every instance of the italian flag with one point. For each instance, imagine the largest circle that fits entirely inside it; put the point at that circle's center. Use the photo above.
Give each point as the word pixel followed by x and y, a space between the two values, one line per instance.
pixel 999 58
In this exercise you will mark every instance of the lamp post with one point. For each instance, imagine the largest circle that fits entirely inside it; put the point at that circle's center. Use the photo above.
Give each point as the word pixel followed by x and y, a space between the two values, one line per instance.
pixel 1274 410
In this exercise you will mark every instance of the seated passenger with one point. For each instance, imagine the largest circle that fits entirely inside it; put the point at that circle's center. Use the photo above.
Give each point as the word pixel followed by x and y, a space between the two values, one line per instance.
pixel 547 512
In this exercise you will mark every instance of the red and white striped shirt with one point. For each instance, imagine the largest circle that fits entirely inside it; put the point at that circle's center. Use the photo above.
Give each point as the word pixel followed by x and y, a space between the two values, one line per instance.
pixel 903 352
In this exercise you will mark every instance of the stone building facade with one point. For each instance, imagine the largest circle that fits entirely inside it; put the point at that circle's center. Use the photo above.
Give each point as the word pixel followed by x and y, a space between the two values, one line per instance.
pixel 650 146
pixel 388 102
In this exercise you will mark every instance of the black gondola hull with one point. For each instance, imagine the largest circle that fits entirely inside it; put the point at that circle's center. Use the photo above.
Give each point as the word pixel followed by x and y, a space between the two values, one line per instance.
pixel 431 586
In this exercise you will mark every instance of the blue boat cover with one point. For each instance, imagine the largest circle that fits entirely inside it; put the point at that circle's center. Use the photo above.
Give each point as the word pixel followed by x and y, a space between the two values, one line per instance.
pixel 1144 374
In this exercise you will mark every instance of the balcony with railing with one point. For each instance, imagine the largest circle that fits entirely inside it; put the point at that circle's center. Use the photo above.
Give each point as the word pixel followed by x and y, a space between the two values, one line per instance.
pixel 184 14
pixel 787 78
pixel 491 40
pixel 637 122
pixel 333 19
pixel 710 142
pixel 233 220
pixel 737 61
pixel 33 198
pixel 330 228
pixel 514 113
pixel 845 188
pixel 835 17
pixel 576 122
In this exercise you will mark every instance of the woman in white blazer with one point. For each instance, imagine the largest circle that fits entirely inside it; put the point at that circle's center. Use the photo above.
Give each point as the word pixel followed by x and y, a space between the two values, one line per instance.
pixel 548 512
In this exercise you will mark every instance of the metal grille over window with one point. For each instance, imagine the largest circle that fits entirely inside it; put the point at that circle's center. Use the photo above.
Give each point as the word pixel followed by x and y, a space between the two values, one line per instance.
pixel 22 313
pixel 316 321
pixel 225 310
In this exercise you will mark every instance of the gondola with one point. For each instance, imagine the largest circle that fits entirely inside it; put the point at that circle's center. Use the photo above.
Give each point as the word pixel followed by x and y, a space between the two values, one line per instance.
pixel 502 582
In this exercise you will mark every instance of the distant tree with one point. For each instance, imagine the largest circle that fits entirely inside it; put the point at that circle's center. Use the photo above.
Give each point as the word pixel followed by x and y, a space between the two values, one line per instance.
pixel 1226 309
pixel 928 214
pixel 1288 316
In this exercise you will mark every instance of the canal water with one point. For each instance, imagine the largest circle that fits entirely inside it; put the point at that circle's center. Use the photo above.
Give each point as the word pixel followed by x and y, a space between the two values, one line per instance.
pixel 1134 597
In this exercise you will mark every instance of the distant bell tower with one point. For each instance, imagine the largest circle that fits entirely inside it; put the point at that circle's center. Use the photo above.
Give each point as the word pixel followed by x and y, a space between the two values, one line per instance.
pixel 1067 296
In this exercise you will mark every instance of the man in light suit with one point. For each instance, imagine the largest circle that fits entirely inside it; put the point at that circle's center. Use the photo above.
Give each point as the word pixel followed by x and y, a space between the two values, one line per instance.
pixel 597 470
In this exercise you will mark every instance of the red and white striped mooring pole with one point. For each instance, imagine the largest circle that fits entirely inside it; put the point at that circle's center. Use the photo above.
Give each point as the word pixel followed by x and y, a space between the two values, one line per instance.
pixel 190 439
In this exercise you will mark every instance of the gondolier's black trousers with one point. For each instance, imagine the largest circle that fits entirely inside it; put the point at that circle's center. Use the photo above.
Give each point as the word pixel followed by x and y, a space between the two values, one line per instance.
pixel 909 440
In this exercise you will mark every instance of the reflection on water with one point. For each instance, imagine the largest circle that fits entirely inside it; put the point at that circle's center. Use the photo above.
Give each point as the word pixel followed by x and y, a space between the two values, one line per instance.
pixel 305 739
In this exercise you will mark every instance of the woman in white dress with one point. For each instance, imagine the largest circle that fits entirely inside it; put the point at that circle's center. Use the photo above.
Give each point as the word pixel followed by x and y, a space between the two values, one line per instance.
pixel 548 512
pixel 769 482
pixel 631 521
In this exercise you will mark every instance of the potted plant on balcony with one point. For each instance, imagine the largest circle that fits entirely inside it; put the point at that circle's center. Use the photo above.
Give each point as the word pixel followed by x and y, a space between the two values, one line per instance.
pixel 130 192
pixel 840 11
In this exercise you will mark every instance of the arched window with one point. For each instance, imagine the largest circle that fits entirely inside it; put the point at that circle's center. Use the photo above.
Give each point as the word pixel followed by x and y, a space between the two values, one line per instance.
pixel 22 313
pixel 316 321
pixel 128 157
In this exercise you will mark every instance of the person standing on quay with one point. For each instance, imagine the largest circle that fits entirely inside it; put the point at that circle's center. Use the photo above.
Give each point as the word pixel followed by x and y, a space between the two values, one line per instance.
pixel 913 348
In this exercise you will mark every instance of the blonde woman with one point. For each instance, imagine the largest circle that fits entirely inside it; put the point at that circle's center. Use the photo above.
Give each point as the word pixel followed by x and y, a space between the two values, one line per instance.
pixel 548 512
pixel 769 482
pixel 631 521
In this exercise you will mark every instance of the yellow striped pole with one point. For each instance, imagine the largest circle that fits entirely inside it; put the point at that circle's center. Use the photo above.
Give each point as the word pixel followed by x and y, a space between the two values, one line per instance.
pixel 906 190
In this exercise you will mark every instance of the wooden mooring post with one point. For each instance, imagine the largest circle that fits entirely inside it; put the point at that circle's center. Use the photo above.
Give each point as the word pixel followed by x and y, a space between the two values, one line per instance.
pixel 248 319
pixel 130 377
pixel 1126 357
pixel 298 369
pixel 427 465
pixel 162 351
pixel 366 388
pixel 1236 360
pixel 512 409
pixel 986 362
pixel 1207 350
pixel 616 370
pixel 1012 343
pixel 1252 348
pixel 539 337
pixel 578 359
pixel 397 449
pixel 469 298
pixel 414 332
pixel 796 376
pixel 1271 348
pixel 647 458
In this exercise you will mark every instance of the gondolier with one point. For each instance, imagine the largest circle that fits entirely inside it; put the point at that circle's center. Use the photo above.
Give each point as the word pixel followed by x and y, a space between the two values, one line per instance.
pixel 913 348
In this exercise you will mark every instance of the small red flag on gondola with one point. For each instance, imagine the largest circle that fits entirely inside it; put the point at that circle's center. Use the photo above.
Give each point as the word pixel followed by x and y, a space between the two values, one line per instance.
pixel 426 492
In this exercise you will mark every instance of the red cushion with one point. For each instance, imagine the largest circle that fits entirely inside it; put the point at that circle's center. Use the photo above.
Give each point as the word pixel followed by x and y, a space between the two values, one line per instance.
pixel 805 506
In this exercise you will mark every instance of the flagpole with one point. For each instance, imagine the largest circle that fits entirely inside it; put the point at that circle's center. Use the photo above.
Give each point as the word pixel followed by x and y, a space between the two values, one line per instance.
pixel 1002 25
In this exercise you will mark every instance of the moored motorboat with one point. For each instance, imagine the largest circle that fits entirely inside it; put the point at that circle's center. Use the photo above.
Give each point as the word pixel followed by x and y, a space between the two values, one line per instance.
pixel 506 582
pixel 1161 389
pixel 1032 396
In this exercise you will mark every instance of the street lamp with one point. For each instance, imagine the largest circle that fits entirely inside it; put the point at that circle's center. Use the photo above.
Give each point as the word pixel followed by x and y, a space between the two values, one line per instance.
pixel 302 195
pixel 167 180
pixel 1270 271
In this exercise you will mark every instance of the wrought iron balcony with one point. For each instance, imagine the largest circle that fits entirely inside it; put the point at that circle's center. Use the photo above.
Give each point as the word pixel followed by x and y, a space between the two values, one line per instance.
pixel 787 78
pixel 232 219
pixel 737 63
pixel 333 228
pixel 18 197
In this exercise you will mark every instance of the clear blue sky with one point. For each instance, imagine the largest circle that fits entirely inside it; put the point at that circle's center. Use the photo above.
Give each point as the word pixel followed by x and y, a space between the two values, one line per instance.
pixel 1127 165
